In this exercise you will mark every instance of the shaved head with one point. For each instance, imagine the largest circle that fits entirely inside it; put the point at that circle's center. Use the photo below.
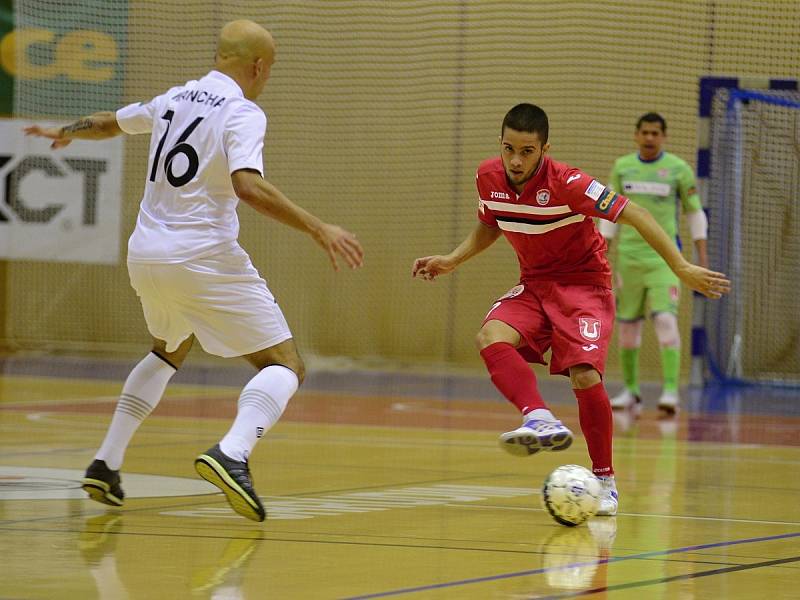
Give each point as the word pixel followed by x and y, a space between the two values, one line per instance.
pixel 245 52
pixel 245 41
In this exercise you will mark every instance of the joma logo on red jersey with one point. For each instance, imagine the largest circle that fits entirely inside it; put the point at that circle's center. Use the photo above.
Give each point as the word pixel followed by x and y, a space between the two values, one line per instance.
pixel 499 195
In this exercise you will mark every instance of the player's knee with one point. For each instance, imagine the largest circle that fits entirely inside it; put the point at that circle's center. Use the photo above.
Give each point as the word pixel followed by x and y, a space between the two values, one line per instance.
pixel 493 332
pixel 584 376
pixel 300 371
pixel 667 332
pixel 297 365
pixel 486 337
pixel 177 356
pixel 630 334
pixel 482 339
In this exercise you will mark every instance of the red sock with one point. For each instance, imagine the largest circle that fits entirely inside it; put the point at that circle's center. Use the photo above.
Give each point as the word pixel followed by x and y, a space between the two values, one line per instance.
pixel 594 411
pixel 512 376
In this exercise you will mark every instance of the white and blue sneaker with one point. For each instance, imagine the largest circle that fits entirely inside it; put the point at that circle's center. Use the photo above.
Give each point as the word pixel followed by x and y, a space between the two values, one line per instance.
pixel 609 501
pixel 535 435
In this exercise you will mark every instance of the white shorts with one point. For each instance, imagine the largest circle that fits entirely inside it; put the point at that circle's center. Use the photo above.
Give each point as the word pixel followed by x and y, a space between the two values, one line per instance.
pixel 220 299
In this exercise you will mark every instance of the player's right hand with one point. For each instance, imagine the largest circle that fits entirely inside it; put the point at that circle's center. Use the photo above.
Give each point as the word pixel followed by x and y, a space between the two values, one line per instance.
pixel 429 267
pixel 54 133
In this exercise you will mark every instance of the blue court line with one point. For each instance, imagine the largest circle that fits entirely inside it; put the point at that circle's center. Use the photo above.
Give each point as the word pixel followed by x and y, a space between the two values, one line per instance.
pixel 642 555
pixel 663 580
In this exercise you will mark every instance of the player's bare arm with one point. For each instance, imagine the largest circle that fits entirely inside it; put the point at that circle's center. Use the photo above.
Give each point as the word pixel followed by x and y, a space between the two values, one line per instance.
pixel 99 126
pixel 252 188
pixel 708 283
pixel 429 267
pixel 701 249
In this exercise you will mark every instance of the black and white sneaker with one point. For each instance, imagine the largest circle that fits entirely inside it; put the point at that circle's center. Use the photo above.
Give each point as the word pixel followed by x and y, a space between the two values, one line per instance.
pixel 102 484
pixel 233 478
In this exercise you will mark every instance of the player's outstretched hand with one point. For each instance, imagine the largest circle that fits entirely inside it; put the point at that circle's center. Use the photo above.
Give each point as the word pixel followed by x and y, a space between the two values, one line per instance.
pixel 429 267
pixel 709 283
pixel 338 241
pixel 54 133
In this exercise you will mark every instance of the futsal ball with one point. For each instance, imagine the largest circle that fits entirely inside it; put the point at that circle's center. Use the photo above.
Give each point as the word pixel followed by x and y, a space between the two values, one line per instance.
pixel 571 494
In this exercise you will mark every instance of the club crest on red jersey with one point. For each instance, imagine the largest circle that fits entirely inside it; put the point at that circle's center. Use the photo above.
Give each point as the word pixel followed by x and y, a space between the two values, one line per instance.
pixel 589 328
pixel 542 197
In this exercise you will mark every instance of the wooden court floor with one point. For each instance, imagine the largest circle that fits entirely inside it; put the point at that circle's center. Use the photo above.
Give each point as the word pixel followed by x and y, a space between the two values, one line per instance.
pixel 378 495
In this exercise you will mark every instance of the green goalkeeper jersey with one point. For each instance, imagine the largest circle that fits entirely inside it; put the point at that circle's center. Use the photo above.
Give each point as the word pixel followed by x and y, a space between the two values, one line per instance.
pixel 659 186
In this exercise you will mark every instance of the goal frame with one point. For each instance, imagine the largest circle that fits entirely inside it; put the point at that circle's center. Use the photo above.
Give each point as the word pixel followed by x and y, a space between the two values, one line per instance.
pixel 702 372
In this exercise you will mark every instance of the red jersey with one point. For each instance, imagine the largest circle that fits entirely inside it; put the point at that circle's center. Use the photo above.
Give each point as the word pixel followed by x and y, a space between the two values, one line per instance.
pixel 549 224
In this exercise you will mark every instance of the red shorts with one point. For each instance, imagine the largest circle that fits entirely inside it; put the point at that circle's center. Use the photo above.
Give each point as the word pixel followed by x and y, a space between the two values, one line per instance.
pixel 576 321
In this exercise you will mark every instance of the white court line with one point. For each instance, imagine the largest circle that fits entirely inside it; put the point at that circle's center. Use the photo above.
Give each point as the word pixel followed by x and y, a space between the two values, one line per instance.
pixel 409 407
pixel 644 515
pixel 97 400
pixel 49 419
pixel 36 403
pixel 381 441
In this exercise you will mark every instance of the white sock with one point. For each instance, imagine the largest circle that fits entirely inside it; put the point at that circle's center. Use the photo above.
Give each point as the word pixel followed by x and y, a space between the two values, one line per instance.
pixel 261 404
pixel 140 395
pixel 542 414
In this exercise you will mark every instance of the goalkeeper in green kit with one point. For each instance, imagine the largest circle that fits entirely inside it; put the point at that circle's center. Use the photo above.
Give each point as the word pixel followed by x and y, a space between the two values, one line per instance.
pixel 645 286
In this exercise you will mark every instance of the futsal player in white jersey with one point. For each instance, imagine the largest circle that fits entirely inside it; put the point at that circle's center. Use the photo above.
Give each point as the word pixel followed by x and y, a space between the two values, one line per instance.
pixel 184 261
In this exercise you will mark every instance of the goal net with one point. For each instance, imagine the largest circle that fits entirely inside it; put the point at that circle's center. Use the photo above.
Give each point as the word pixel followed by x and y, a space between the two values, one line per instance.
pixel 753 335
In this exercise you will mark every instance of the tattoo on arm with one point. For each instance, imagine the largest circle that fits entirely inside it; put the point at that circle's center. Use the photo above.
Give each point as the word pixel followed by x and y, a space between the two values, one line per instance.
pixel 78 125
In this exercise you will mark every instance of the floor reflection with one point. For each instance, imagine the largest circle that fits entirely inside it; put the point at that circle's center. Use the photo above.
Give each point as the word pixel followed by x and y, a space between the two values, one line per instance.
pixel 97 544
pixel 575 558
pixel 213 576
pixel 740 415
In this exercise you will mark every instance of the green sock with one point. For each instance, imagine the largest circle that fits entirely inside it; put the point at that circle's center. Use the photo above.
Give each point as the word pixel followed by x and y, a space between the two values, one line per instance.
pixel 630 368
pixel 671 368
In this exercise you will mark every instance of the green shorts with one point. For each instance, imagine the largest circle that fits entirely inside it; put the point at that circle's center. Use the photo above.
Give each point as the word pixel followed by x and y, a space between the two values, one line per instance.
pixel 645 287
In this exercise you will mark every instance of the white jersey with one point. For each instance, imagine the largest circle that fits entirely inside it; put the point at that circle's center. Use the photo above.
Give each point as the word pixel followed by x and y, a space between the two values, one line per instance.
pixel 202 132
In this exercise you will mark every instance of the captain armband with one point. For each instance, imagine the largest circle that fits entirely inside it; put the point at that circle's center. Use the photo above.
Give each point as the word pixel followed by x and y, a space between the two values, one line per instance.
pixel 698 224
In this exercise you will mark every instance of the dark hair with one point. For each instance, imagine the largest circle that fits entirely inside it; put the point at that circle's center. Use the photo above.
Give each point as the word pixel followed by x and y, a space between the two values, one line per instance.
pixel 652 117
pixel 529 118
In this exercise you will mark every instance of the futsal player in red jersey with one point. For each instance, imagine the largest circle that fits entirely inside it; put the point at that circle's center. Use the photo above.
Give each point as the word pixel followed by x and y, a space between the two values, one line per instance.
pixel 563 301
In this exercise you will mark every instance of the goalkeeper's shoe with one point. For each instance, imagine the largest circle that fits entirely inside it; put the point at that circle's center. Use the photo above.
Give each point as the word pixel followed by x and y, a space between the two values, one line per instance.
pixel 233 478
pixel 536 435
pixel 626 399
pixel 102 484
pixel 668 402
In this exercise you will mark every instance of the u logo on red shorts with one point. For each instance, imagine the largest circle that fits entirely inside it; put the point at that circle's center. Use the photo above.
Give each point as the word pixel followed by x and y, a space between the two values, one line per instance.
pixel 589 328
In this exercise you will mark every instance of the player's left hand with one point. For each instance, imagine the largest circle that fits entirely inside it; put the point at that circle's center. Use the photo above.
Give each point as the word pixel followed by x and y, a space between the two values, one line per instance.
pixel 430 267
pixel 709 283
pixel 54 133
